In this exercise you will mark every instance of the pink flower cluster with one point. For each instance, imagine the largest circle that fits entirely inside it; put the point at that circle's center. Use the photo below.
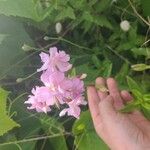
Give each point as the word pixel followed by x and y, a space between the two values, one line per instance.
pixel 58 88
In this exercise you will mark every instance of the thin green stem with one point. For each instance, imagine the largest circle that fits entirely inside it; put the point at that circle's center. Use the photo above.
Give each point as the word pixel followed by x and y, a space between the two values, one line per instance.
pixel 117 54
pixel 67 41
pixel 11 103
pixel 33 139
pixel 136 12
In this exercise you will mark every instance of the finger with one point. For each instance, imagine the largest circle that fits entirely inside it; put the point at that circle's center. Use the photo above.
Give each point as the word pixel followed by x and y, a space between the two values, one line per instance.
pixel 93 101
pixel 114 92
pixel 126 96
pixel 101 82
pixel 107 110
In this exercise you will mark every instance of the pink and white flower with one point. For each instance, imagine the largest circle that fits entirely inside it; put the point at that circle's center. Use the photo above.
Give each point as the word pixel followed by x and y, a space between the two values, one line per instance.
pixel 58 88
pixel 55 61
pixel 41 99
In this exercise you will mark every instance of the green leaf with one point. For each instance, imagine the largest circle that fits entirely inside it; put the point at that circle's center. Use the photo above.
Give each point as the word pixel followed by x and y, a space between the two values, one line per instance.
pixel 121 75
pixel 145 6
pixel 102 5
pixel 91 73
pixel 3 99
pixel 87 16
pixel 141 52
pixel 138 95
pixel 130 107
pixel 11 48
pixel 30 124
pixel 146 97
pixel 2 37
pixel 20 8
pixel 84 133
pixel 98 20
pixel 133 85
pixel 96 61
pixel 107 65
pixel 6 123
pixel 10 147
pixel 146 105
pixel 146 112
pixel 102 21
pixel 67 12
pixel 72 73
pixel 52 126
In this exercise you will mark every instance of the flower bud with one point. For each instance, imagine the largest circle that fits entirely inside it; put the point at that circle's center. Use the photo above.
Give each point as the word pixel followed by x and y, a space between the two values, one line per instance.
pixel 125 25
pixel 19 80
pixel 27 48
pixel 140 67
pixel 58 27
pixel 83 76
pixel 46 38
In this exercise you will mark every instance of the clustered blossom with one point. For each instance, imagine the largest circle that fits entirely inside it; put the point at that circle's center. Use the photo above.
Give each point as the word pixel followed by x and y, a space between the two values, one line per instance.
pixel 58 89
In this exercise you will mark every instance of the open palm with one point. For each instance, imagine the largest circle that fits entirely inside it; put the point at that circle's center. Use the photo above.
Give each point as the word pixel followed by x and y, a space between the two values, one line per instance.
pixel 120 131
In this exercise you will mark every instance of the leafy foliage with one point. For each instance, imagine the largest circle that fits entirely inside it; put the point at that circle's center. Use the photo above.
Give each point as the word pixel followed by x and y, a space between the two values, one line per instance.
pixel 92 35
pixel 6 123
pixel 140 101
pixel 84 133
pixel 21 8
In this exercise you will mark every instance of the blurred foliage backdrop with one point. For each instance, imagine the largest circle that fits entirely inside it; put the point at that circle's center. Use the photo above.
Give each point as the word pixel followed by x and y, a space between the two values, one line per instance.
pixel 90 31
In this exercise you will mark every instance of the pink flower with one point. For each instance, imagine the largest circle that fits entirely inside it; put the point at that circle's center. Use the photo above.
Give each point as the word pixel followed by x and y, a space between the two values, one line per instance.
pixel 56 61
pixel 52 80
pixel 58 88
pixel 41 100
pixel 73 89
pixel 73 96
pixel 74 107
pixel 73 110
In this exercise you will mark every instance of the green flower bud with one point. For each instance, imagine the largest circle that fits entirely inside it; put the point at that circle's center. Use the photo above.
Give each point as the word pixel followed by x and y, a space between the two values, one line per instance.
pixel 27 48
pixel 140 67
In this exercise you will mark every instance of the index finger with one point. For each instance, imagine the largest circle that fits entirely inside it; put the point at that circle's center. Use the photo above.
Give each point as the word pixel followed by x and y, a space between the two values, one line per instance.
pixel 93 101
pixel 114 92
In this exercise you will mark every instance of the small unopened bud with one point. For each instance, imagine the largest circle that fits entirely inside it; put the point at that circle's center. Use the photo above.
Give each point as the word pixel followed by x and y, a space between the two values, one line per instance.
pixel 19 80
pixel 27 48
pixel 140 67
pixel 83 76
pixel 58 27
pixel 46 38
pixel 125 25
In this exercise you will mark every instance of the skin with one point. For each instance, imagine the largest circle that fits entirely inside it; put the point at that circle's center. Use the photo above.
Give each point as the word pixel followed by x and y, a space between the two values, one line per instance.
pixel 120 131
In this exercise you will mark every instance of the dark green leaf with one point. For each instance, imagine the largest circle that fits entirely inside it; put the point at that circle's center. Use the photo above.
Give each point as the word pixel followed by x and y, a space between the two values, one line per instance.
pixel 84 133
pixel 133 85
pixel 52 126
pixel 130 107
pixel 96 61
pixel 11 48
pixel 6 123
pixel 146 6
pixel 21 8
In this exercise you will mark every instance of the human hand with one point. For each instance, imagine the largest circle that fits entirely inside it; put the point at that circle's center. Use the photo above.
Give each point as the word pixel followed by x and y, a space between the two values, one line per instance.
pixel 130 131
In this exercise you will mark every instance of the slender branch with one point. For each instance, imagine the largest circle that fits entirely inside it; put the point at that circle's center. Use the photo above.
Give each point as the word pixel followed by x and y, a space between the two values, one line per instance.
pixel 34 139
pixel 135 11
pixel 67 41
pixel 120 56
